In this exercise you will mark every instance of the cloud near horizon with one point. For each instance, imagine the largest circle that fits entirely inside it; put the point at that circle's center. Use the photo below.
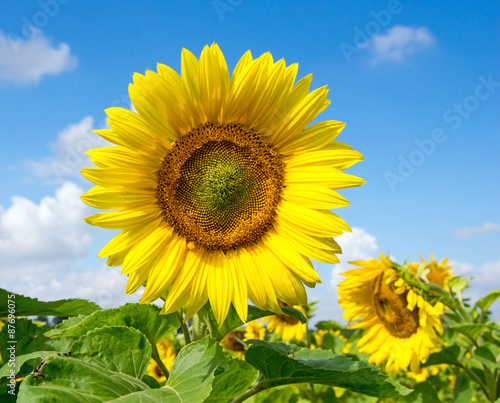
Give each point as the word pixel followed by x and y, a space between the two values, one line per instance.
pixel 467 232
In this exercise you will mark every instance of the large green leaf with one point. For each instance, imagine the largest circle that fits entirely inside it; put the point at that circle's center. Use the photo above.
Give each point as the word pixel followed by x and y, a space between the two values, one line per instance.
pixel 193 370
pixel 423 393
pixel 163 395
pixel 19 361
pixel 117 348
pixel 144 317
pixel 320 366
pixel 76 381
pixel 485 302
pixel 233 321
pixel 24 335
pixel 472 329
pixel 26 306
pixel 231 383
pixel 462 392
pixel 448 355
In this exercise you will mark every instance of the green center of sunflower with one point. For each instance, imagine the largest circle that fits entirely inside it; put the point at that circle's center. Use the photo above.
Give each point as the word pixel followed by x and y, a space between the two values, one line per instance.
pixel 219 186
pixel 391 308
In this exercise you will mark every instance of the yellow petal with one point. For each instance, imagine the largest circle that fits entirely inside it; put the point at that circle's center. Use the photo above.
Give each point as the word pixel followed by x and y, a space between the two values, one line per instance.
pixel 164 270
pixel 332 178
pixel 112 199
pixel 220 285
pixel 313 196
pixel 126 218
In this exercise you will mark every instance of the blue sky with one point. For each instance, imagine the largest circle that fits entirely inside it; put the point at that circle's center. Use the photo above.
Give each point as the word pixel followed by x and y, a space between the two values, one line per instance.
pixel 418 84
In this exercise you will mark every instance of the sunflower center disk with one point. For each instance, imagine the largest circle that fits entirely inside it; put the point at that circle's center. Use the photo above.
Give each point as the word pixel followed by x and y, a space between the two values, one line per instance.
pixel 392 309
pixel 219 186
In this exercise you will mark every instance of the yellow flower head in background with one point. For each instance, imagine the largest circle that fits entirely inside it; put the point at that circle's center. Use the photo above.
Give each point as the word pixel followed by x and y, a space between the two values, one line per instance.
pixel 255 330
pixel 167 353
pixel 220 189
pixel 439 273
pixel 402 329
pixel 233 346
pixel 288 327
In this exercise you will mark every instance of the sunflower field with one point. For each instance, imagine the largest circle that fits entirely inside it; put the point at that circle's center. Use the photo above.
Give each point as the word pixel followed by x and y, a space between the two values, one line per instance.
pixel 222 190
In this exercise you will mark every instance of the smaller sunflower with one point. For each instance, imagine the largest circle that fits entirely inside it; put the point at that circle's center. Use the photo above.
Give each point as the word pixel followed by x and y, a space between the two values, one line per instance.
pixel 286 326
pixel 233 346
pixel 167 353
pixel 402 329
pixel 255 330
pixel 439 273
pixel 318 337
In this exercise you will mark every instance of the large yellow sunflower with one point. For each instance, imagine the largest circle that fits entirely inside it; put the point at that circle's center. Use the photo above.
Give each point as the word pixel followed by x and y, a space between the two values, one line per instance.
pixel 221 189
pixel 402 329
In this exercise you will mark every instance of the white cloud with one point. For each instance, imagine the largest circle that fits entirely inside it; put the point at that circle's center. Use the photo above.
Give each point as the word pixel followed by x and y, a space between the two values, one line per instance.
pixel 399 42
pixel 467 232
pixel 24 62
pixel 42 247
pixel 486 278
pixel 50 231
pixel 68 152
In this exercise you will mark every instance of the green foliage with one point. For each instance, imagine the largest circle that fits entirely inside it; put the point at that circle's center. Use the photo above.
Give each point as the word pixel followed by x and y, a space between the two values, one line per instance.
pixel 117 348
pixel 231 383
pixel 233 321
pixel 323 367
pixel 26 306
pixel 142 317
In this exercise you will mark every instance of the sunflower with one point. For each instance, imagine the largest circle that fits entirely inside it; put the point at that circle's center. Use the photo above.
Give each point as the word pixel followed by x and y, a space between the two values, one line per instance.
pixel 167 353
pixel 254 330
pixel 231 345
pixel 402 328
pixel 439 273
pixel 219 188
pixel 286 326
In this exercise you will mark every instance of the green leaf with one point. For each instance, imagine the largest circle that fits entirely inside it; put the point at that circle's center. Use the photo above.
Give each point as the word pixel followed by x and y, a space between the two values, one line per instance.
pixel 26 306
pixel 21 359
pixel 281 394
pixel 332 342
pixel 162 395
pixel 462 392
pixel 229 384
pixel 472 329
pixel 143 317
pixel 329 324
pixel 485 302
pixel 484 355
pixel 233 321
pixel 423 393
pixel 323 367
pixel 449 355
pixel 458 285
pixel 117 348
pixel 25 335
pixel 193 370
pixel 75 381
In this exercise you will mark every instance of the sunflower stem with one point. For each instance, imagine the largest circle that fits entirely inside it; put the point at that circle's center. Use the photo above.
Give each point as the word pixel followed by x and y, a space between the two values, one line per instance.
pixel 156 356
pixel 256 389
pixel 185 330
